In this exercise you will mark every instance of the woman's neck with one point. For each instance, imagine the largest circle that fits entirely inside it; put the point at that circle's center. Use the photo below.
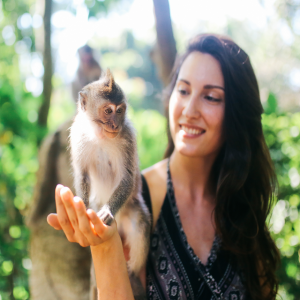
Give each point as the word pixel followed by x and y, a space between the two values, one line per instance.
pixel 193 174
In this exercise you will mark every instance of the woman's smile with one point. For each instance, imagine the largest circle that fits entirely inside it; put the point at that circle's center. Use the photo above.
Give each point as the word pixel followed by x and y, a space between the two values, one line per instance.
pixel 190 131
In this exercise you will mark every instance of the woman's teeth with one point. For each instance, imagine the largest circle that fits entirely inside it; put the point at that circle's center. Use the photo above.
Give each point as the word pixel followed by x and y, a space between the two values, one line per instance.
pixel 192 130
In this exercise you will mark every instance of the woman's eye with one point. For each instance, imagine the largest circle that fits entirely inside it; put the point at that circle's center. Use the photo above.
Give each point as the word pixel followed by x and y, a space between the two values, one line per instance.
pixel 210 98
pixel 182 92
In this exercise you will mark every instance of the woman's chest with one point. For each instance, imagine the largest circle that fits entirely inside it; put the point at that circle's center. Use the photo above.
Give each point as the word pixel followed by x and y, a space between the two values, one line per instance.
pixel 174 271
pixel 198 225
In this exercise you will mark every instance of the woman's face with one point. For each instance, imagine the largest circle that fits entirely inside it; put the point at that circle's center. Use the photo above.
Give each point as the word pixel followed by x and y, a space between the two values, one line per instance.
pixel 197 105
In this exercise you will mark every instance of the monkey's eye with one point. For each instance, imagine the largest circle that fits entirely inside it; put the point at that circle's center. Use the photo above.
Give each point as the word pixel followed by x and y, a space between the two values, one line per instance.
pixel 119 110
pixel 108 111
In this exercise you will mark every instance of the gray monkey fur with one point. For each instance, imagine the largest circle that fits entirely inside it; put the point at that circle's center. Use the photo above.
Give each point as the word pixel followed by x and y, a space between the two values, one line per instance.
pixel 106 169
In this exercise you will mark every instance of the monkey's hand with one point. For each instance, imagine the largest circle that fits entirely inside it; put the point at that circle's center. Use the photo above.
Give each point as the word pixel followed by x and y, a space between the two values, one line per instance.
pixel 105 215
pixel 79 225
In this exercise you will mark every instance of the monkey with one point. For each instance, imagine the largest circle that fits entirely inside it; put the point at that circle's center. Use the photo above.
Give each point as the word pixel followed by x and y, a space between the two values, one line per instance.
pixel 88 71
pixel 106 168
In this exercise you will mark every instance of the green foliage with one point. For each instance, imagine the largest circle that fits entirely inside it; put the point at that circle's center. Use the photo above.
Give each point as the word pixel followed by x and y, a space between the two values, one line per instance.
pixel 151 136
pixel 18 156
pixel 283 139
pixel 271 106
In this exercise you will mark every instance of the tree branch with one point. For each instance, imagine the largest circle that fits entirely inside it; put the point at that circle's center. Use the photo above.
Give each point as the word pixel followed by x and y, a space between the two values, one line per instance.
pixel 166 53
pixel 44 109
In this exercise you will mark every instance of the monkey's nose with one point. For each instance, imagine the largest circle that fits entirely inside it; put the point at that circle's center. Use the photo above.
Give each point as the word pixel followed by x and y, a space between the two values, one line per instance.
pixel 114 127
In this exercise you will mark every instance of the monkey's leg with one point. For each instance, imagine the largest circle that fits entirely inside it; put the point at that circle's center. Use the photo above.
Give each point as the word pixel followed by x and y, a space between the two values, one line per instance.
pixel 138 241
pixel 137 288
pixel 135 226
pixel 82 186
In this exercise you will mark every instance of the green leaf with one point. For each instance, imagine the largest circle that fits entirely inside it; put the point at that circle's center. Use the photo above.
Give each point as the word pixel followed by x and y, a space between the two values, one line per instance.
pixel 7 267
pixel 291 270
pixel 15 231
pixel 271 105
pixel 20 292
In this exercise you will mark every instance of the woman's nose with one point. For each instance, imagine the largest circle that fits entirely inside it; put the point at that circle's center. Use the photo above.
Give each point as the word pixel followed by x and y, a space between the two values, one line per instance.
pixel 192 108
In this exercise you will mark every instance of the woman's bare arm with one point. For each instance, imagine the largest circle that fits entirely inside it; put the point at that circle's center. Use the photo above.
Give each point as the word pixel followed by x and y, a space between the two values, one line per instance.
pixel 111 270
pixel 84 227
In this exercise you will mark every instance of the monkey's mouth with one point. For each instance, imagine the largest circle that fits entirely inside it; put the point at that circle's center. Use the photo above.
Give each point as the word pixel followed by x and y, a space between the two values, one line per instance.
pixel 111 133
pixel 108 130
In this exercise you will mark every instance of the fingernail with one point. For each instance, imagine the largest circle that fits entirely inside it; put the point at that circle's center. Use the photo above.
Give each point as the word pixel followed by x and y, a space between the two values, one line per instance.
pixel 76 199
pixel 63 192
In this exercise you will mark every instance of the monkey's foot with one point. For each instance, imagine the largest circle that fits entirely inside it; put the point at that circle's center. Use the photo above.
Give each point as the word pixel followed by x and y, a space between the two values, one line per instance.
pixel 105 215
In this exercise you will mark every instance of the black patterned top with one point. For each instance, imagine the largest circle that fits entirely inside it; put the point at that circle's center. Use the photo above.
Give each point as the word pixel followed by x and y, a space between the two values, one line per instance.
pixel 175 272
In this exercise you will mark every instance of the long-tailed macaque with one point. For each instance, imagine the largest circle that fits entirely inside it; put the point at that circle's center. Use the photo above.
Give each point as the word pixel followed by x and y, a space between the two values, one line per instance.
pixel 106 171
pixel 88 70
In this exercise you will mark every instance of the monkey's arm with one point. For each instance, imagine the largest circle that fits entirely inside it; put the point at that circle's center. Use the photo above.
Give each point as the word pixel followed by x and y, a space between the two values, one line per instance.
pixel 122 192
pixel 118 198
pixel 128 181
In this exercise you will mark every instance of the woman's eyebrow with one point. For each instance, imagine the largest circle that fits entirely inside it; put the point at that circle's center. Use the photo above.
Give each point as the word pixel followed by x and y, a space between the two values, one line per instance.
pixel 209 86
pixel 183 80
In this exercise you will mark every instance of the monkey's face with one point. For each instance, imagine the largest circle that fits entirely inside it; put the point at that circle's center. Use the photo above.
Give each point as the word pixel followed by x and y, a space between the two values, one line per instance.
pixel 111 118
pixel 104 103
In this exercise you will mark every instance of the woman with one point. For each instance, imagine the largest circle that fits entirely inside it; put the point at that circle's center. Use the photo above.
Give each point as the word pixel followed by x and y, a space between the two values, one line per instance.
pixel 210 198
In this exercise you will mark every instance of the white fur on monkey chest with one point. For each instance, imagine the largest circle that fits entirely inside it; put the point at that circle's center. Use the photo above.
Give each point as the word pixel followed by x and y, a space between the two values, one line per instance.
pixel 105 174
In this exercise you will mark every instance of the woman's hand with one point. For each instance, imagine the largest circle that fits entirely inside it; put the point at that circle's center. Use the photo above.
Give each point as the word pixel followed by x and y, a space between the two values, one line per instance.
pixel 79 225
pixel 84 227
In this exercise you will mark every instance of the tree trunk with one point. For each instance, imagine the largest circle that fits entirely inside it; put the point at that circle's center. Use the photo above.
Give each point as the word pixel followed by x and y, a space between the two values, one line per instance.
pixel 165 53
pixel 44 109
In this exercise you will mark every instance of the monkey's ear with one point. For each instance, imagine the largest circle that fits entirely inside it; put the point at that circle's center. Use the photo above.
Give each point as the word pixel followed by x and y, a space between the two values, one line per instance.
pixel 109 82
pixel 83 99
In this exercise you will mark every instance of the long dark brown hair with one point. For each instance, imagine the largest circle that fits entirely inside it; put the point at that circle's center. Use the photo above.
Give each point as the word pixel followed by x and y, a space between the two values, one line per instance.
pixel 243 172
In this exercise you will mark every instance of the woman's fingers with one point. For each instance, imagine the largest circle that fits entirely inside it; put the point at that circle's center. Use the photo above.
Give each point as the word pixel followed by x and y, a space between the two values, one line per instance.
pixel 79 225
pixel 85 225
pixel 52 220
pixel 97 223
pixel 68 201
pixel 63 216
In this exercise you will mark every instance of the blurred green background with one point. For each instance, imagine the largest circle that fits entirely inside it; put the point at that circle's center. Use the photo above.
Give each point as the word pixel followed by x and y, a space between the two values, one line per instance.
pixel 270 34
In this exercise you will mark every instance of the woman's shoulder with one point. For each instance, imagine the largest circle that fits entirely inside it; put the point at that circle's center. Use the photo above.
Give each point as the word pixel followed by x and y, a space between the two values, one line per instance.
pixel 156 178
pixel 156 173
